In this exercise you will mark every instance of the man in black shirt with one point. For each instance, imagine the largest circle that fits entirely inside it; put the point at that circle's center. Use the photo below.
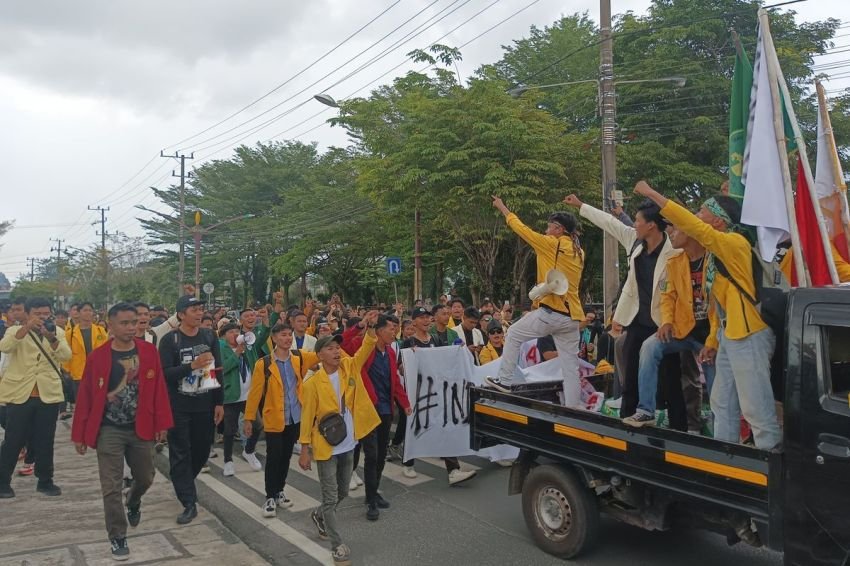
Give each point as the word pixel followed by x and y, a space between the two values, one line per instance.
pixel 188 354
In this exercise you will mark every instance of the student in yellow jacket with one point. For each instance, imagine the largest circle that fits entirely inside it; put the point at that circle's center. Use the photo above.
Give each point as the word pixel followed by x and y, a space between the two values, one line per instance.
pixel 744 343
pixel 83 337
pixel 684 323
pixel 556 315
pixel 337 388
pixel 280 395
pixel 841 266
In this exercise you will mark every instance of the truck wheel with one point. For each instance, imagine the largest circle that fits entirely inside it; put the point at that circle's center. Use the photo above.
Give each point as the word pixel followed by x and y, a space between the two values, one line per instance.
pixel 560 512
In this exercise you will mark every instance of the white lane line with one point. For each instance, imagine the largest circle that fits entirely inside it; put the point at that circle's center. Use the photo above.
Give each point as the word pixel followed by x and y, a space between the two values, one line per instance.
pixel 281 529
pixel 440 464
pixel 300 501
pixel 395 472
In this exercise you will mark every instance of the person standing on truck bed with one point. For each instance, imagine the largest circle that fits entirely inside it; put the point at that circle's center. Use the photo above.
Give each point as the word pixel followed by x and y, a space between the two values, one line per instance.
pixel 743 343
pixel 638 309
pixel 558 315
pixel 684 323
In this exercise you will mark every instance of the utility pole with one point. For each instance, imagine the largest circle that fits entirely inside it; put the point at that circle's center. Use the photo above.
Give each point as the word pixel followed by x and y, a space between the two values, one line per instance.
pixel 32 261
pixel 104 260
pixel 608 107
pixel 417 255
pixel 182 257
pixel 60 296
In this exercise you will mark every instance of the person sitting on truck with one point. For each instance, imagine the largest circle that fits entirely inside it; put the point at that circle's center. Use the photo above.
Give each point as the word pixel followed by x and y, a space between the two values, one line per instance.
pixel 648 249
pixel 684 323
pixel 740 342
pixel 558 315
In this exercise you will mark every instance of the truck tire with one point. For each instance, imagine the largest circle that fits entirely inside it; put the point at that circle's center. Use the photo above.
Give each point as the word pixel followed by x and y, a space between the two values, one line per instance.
pixel 560 512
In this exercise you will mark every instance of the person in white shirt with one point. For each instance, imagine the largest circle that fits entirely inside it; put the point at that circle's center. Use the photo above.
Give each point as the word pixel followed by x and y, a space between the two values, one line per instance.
pixel 469 333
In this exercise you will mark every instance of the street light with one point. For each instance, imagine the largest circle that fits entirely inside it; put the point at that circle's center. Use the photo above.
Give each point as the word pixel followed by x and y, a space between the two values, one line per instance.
pixel 197 233
pixel 327 100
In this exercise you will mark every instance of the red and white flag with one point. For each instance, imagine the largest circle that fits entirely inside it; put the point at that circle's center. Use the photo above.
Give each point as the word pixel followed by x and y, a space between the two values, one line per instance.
pixel 829 182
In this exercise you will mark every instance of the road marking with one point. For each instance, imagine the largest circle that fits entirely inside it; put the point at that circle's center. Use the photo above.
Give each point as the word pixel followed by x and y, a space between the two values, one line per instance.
pixel 440 464
pixel 292 536
pixel 257 480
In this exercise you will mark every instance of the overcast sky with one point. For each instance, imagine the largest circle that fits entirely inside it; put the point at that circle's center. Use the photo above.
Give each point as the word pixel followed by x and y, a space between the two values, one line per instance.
pixel 92 91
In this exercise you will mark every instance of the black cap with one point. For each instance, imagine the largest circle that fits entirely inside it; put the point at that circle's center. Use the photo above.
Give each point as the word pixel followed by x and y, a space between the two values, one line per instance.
pixel 325 340
pixel 419 311
pixel 187 301
pixel 494 325
pixel 565 219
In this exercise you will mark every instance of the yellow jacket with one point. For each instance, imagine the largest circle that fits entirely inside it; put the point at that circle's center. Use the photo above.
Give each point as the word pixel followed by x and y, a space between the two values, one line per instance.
pixel 319 399
pixel 841 266
pixel 77 363
pixel 677 297
pixel 273 408
pixel 29 368
pixel 742 318
pixel 488 354
pixel 570 263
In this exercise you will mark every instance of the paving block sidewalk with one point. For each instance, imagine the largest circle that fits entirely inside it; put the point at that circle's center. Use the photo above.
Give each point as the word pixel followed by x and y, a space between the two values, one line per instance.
pixel 69 530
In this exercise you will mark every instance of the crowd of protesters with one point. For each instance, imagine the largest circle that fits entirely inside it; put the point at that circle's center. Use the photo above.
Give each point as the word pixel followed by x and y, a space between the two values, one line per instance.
pixel 324 381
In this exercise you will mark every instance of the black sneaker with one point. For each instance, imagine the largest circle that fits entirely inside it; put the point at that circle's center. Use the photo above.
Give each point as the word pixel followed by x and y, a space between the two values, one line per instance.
pixel 320 525
pixel 48 488
pixel 120 550
pixel 189 513
pixel 639 420
pixel 372 512
pixel 134 515
pixel 496 383
pixel 6 492
pixel 381 502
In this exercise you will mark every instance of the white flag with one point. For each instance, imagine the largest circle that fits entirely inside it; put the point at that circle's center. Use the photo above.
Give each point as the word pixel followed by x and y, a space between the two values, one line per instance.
pixel 764 196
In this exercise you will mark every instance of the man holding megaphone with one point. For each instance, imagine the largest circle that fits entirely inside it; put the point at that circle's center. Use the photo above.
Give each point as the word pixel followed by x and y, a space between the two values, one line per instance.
pixel 560 262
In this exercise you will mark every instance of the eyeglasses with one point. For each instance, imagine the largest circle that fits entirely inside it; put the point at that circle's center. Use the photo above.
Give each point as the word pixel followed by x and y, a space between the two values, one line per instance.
pixel 496 331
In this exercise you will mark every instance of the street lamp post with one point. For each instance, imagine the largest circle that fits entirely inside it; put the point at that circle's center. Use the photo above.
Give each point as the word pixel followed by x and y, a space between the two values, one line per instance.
pixel 607 105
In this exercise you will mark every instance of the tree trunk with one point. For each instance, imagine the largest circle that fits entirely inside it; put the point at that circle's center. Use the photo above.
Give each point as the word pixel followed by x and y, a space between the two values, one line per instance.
pixel 522 255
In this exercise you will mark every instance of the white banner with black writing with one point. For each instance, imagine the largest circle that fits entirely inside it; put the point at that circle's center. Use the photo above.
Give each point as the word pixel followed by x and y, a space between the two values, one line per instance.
pixel 437 382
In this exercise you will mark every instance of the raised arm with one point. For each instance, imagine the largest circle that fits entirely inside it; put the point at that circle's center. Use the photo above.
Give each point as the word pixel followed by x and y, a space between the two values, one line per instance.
pixel 626 235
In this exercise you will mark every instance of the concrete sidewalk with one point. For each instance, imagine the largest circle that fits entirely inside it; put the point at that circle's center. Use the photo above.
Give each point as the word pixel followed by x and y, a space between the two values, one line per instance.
pixel 69 530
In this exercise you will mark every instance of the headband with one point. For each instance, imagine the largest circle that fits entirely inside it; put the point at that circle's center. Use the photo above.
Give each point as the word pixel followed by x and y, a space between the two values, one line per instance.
pixel 714 207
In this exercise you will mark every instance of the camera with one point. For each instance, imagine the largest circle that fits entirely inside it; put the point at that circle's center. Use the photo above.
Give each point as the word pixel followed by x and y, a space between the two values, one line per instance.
pixel 49 325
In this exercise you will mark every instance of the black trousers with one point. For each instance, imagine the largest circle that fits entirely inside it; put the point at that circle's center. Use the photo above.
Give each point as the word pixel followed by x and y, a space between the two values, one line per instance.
pixel 631 352
pixel 670 392
pixel 231 430
pixel 35 422
pixel 279 447
pixel 375 456
pixel 189 443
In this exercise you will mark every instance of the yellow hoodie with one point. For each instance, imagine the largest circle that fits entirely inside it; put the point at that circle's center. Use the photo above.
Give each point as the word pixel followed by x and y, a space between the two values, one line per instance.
pixel 319 399
pixel 742 318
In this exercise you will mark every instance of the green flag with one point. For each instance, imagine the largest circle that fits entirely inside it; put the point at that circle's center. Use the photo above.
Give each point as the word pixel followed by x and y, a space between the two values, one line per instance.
pixel 739 115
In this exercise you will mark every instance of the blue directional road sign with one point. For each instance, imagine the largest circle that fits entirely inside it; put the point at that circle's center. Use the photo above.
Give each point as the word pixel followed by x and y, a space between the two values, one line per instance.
pixel 393 265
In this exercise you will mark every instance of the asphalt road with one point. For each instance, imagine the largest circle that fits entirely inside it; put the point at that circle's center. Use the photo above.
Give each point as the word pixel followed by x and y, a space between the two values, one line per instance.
pixel 432 523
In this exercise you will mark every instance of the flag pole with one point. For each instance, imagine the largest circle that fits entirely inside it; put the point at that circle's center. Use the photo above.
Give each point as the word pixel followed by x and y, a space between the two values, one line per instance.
pixel 803 277
pixel 807 169
pixel 833 154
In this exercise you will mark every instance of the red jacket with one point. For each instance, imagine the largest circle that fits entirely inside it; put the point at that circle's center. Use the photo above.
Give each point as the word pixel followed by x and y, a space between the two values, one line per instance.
pixel 352 339
pixel 153 413
pixel 397 392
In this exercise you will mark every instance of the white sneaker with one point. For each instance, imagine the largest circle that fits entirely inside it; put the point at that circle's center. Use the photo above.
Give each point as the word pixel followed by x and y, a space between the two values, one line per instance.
pixel 356 478
pixel 505 463
pixel 284 502
pixel 352 485
pixel 409 472
pixel 269 508
pixel 205 469
pixel 296 449
pixel 252 461
pixel 229 469
pixel 458 476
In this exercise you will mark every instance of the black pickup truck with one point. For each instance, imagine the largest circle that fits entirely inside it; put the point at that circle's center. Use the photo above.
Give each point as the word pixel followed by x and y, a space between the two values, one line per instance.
pixel 574 465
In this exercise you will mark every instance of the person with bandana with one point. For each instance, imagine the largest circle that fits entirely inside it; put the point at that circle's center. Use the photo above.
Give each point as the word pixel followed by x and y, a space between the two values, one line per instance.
pixel 739 341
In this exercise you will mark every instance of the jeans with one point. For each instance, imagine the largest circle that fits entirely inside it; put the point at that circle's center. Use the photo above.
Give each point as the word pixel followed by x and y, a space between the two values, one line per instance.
pixel 114 444
pixel 334 477
pixel 742 385
pixel 279 447
pixel 33 422
pixel 189 443
pixel 652 352
pixel 632 344
pixel 539 323
pixel 231 430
